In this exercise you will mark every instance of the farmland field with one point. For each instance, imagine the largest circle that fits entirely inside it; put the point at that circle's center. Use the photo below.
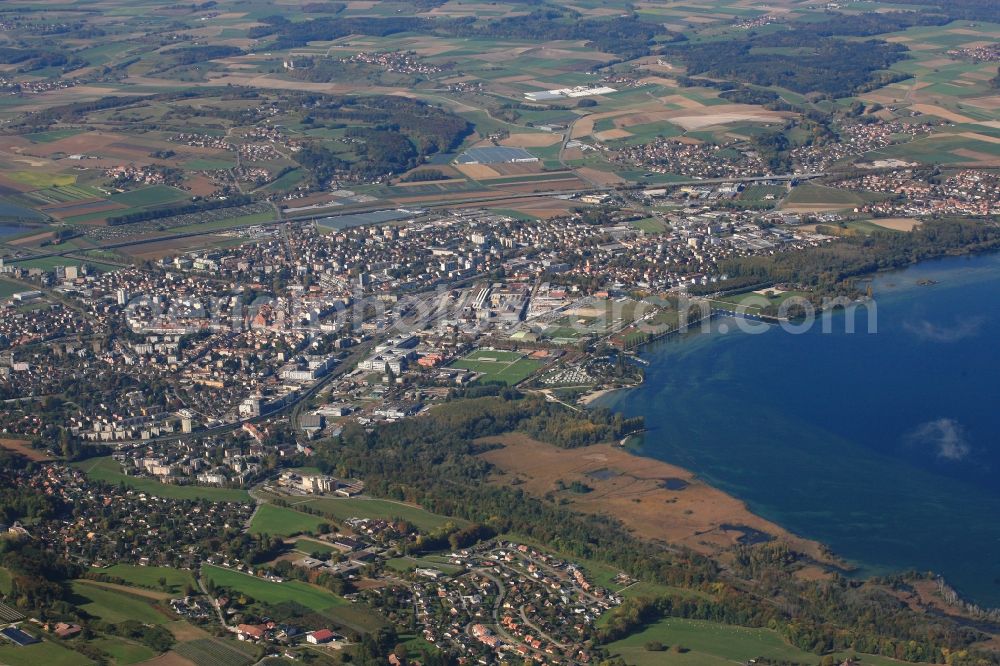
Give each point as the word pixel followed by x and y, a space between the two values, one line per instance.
pixel 148 577
pixel 106 469
pixel 356 617
pixel 114 606
pixel 124 652
pixel 499 366
pixel 761 192
pixel 45 653
pixel 41 180
pixel 52 135
pixel 273 593
pixel 149 196
pixel 810 194
pixel 8 289
pixel 711 644
pixel 213 652
pixel 279 521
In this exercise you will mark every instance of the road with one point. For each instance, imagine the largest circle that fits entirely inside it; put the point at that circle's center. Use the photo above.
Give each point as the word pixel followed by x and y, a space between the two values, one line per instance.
pixel 501 631
pixel 215 603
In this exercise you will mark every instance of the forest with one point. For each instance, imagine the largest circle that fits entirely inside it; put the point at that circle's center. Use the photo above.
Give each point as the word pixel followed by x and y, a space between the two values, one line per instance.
pixel 626 36
pixel 389 134
pixel 288 34
pixel 956 10
pixel 830 269
pixel 823 65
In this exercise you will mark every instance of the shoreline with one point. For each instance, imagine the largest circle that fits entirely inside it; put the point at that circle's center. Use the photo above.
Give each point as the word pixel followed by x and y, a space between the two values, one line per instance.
pixel 587 399
pixel 655 500
pixel 911 279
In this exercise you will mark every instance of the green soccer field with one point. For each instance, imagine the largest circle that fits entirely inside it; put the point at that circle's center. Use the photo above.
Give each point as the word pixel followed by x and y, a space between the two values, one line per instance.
pixel 499 366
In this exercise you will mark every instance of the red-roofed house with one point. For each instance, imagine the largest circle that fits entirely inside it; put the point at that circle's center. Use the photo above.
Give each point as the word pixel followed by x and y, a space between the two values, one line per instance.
pixel 250 632
pixel 319 637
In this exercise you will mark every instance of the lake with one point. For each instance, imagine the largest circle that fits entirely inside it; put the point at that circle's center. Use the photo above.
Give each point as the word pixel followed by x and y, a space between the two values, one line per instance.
pixel 884 446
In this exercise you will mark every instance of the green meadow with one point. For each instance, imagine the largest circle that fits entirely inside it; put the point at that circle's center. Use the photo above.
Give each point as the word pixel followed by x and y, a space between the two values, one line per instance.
pixel 273 593
pixel 279 521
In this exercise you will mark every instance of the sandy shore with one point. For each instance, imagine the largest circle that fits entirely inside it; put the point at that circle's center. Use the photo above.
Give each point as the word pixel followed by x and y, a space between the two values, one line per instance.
pixel 593 396
pixel 654 500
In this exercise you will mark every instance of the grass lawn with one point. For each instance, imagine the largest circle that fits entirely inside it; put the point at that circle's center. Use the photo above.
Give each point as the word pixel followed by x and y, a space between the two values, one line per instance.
pixel 650 225
pixel 807 193
pixel 204 164
pixel 149 196
pixel 51 135
pixel 416 645
pixel 252 218
pixel 8 289
pixel 106 469
pixel 709 644
pixel 149 576
pixel 273 593
pixel 124 652
pixel 279 521
pixel 357 617
pixel 46 653
pixel 761 192
pixel 341 509
pixel 753 302
pixel 407 564
pixel 113 605
pixel 308 546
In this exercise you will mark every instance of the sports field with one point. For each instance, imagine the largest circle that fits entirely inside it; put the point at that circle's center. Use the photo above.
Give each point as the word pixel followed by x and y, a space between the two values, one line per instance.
pixel 273 593
pixel 499 366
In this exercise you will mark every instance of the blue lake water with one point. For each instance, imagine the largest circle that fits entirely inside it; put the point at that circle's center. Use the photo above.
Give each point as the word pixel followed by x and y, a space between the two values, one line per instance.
pixel 884 446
